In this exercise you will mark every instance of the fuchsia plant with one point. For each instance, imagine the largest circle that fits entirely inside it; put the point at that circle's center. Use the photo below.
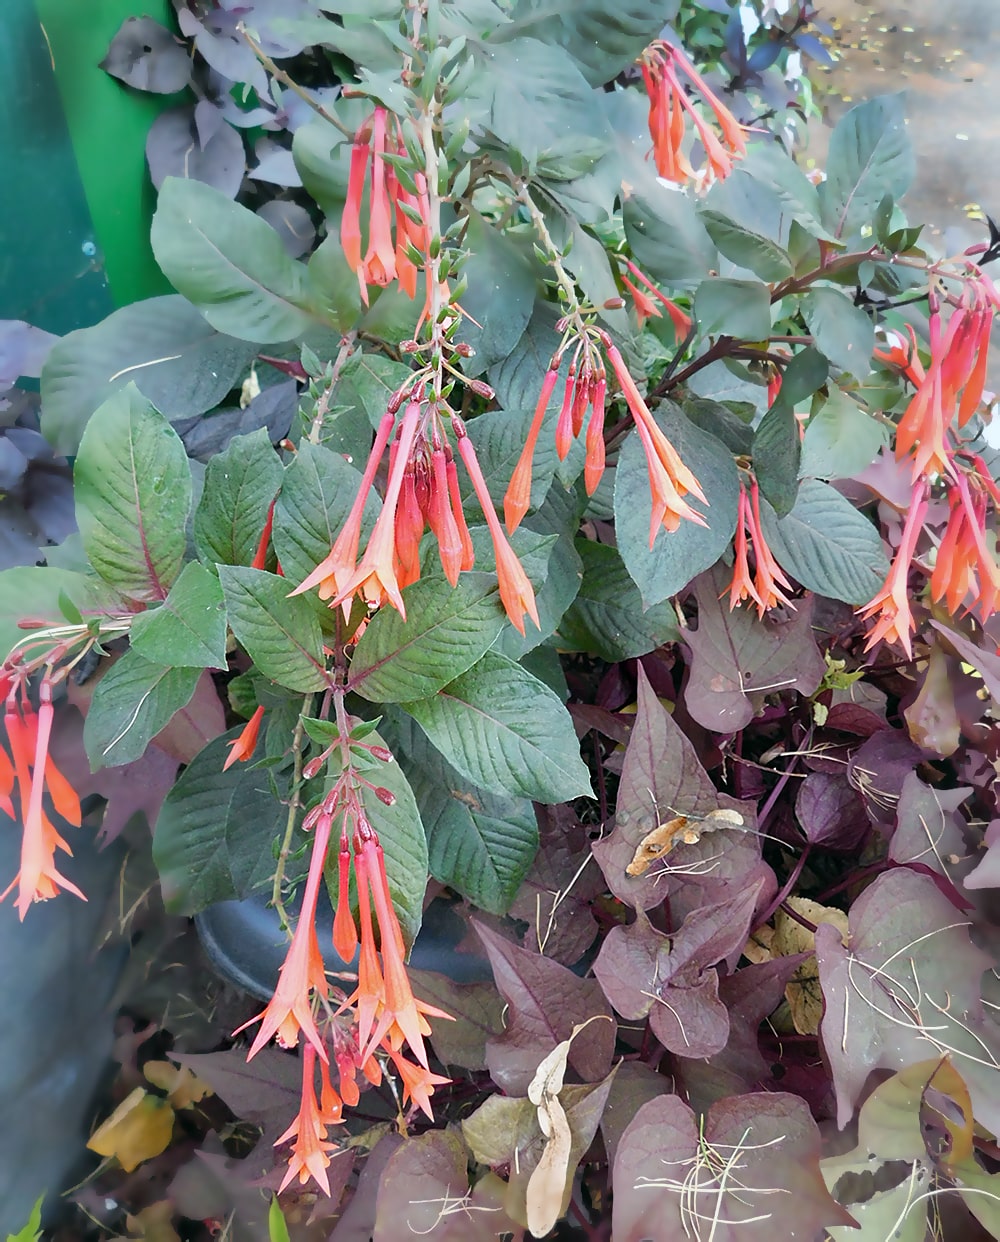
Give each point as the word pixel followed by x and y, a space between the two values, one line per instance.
pixel 748 560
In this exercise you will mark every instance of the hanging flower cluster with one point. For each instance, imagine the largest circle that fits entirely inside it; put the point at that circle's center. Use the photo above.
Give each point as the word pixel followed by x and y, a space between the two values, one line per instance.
pixel 382 1017
pixel 764 586
pixel 661 63
pixel 585 388
pixel 951 389
pixel 948 391
pixel 422 491
pixel 397 203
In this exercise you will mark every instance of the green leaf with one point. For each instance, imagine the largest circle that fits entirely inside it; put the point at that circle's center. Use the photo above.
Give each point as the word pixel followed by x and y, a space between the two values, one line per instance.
pixel 316 495
pixel 606 618
pixel 334 293
pixel 603 39
pixel 162 345
pixel 840 440
pixel 240 483
pixel 188 630
pixel 31 1230
pixel 675 557
pixel 132 702
pixel 481 844
pixel 447 629
pixel 498 438
pixel 843 333
pixel 770 165
pixel 518 379
pixel 741 245
pixel 668 240
pixel 133 492
pixel 827 545
pixel 506 732
pixel 558 518
pixel 540 107
pixel 777 449
pixel 499 299
pixel 277 1226
pixel 870 156
pixel 215 832
pixel 737 308
pixel 776 453
pixel 280 632
pixel 230 263
pixel 367 381
pixel 33 592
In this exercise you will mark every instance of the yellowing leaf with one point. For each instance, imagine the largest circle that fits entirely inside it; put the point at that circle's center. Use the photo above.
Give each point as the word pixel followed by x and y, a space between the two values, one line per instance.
pixel 183 1088
pixel 138 1129
pixel 803 992
pixel 154 1223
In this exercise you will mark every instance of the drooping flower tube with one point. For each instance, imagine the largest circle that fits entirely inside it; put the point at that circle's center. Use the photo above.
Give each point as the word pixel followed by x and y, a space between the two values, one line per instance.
pixel 661 63
pixel 891 606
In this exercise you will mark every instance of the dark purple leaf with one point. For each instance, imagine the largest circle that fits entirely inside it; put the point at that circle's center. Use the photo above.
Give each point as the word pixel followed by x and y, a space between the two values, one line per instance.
pixel 545 1001
pixel 358 1220
pixel 146 55
pixel 208 120
pixel 224 48
pixel 749 995
pixel 671 1182
pixel 23 350
pixel 557 895
pixel 737 659
pixel 852 718
pixel 173 149
pixel 830 812
pixel 421 1181
pixel 929 829
pixel 635 1084
pixel 877 771
pixel 274 164
pixel 661 777
pixel 671 980
pixel 264 1090
pixel 811 46
pixel 986 663
pixel 908 988
pixel 292 224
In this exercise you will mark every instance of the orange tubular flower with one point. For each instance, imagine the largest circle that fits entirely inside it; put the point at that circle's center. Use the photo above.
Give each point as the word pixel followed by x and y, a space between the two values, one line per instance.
pixel 518 497
pixel 965 563
pixel 309 1156
pixel 290 1009
pixel 904 358
pixel 241 748
pixel 418 1082
pixel 646 308
pixel 388 202
pixel 668 101
pixel 669 479
pixel 30 770
pixel 765 587
pixel 516 593
pixel 333 573
pixel 892 604
pixel 375 576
